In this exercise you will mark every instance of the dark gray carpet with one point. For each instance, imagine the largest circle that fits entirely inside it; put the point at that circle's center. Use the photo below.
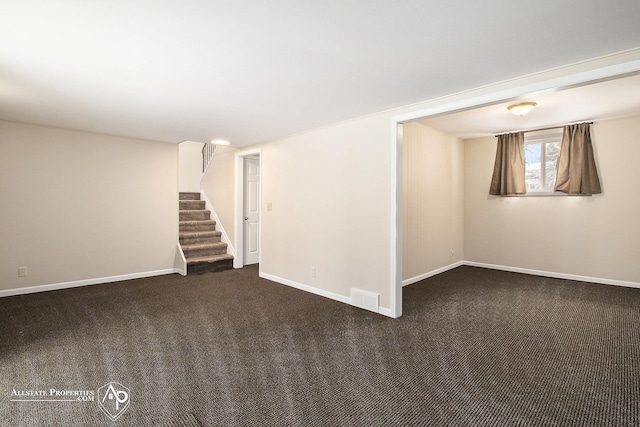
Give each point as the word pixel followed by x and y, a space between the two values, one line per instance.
pixel 475 347
pixel 187 420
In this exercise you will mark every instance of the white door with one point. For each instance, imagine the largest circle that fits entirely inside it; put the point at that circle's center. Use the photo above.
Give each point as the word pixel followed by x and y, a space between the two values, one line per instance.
pixel 251 210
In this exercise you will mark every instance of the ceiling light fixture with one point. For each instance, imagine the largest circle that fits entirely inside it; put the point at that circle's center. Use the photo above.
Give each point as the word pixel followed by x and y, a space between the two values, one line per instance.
pixel 220 142
pixel 522 108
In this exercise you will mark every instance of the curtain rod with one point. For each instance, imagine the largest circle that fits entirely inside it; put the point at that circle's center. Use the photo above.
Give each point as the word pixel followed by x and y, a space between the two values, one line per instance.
pixel 537 130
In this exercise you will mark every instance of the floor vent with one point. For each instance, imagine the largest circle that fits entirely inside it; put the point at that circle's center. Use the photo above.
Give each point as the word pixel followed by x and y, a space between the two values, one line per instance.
pixel 365 299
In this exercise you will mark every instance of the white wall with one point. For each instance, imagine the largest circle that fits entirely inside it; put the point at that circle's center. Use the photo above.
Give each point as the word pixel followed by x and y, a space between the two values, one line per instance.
pixel 333 194
pixel 190 166
pixel 433 198
pixel 330 191
pixel 218 184
pixel 78 206
pixel 596 236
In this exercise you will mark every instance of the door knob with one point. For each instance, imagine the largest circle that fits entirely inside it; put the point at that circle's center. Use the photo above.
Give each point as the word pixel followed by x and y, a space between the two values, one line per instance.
pixel 246 218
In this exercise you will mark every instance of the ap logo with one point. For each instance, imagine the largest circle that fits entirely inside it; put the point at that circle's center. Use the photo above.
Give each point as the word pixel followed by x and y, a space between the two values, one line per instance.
pixel 113 399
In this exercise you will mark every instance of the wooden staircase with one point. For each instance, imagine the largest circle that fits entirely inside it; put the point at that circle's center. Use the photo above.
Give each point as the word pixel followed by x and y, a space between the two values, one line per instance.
pixel 200 241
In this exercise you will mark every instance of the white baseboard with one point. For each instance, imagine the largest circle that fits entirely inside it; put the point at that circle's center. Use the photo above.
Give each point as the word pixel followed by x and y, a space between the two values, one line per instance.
pixel 431 273
pixel 307 288
pixel 331 295
pixel 554 274
pixel 87 282
pixel 321 292
pixel 542 273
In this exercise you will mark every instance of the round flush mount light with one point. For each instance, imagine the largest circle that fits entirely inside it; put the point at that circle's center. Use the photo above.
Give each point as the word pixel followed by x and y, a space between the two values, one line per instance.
pixel 522 108
pixel 220 142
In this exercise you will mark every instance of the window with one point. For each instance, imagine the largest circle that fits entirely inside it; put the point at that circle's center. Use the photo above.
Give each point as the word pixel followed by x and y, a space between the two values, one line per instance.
pixel 540 157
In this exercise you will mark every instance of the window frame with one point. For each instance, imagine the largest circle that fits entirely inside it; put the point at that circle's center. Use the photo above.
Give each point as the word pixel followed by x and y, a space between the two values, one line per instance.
pixel 542 138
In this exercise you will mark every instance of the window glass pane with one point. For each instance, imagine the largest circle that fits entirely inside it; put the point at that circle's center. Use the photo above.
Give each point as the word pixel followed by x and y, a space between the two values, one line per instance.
pixel 541 151
pixel 532 167
pixel 552 151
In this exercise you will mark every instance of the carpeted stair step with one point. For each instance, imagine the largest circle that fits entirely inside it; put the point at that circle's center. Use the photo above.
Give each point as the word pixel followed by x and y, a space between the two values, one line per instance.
pixel 190 237
pixel 191 215
pixel 200 241
pixel 189 196
pixel 198 250
pixel 191 205
pixel 201 225
pixel 212 263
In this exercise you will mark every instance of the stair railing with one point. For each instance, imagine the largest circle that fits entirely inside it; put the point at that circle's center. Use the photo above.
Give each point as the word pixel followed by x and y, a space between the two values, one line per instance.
pixel 208 150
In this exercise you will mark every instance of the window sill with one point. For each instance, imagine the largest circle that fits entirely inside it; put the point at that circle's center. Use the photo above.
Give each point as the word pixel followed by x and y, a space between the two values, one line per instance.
pixel 549 194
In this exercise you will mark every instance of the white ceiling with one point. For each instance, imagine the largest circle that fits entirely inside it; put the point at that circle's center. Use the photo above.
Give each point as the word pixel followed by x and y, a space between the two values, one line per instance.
pixel 598 101
pixel 250 71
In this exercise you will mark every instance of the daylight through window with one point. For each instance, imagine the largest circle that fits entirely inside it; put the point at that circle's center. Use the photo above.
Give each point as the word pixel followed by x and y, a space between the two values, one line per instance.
pixel 540 157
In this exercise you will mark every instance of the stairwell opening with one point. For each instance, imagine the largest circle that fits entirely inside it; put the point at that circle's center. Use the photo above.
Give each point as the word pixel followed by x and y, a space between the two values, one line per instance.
pixel 201 243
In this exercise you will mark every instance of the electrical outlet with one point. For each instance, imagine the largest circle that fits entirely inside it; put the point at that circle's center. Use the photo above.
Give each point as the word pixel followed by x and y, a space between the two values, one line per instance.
pixel 451 253
pixel 269 206
pixel 22 271
pixel 313 272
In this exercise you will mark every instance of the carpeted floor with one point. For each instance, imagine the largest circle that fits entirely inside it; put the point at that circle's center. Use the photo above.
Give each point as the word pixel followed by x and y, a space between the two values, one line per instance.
pixel 475 347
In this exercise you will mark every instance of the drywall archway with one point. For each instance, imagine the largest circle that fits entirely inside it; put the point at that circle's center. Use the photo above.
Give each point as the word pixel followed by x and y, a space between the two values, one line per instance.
pixel 587 72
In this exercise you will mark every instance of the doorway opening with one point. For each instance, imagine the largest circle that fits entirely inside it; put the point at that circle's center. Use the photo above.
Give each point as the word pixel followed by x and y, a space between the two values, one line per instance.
pixel 248 196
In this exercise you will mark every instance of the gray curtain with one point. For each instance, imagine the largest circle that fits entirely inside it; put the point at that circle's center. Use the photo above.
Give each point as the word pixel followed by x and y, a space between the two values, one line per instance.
pixel 508 171
pixel 576 168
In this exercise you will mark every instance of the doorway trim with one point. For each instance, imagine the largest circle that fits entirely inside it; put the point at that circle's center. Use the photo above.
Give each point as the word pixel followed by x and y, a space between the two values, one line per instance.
pixel 238 261
pixel 603 68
